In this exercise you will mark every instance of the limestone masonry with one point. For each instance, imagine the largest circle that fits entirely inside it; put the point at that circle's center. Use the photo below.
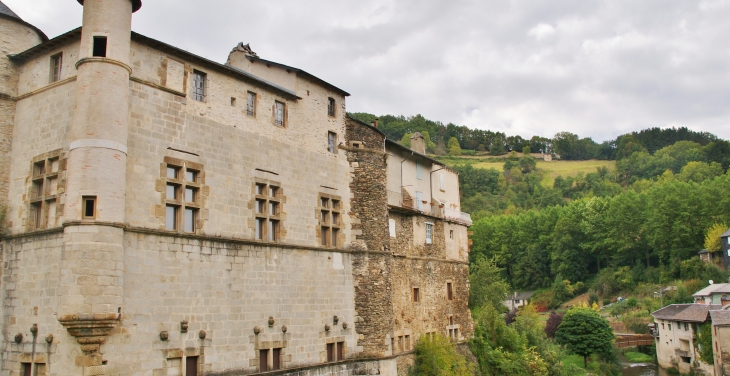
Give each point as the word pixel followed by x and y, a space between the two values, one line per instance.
pixel 169 215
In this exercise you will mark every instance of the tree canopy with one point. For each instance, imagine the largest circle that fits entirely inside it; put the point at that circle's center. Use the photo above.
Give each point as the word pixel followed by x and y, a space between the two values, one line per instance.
pixel 584 332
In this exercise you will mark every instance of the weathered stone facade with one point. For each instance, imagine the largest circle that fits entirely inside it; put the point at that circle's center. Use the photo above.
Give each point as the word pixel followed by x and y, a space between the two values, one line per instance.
pixel 165 210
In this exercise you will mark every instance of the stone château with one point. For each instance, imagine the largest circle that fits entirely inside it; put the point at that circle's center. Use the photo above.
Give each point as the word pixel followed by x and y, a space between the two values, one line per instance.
pixel 171 215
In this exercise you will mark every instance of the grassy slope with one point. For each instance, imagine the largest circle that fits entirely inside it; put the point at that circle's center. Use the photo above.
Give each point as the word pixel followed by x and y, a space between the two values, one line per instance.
pixel 552 169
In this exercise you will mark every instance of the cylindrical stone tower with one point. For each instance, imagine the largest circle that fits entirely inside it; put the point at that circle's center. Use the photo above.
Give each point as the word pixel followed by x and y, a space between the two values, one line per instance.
pixel 92 269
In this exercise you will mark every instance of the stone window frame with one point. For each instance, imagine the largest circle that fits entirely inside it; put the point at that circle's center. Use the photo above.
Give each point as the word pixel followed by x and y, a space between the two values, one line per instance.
pixel 56 68
pixel 336 343
pixel 200 190
pixel 199 94
pixel 332 142
pixel 283 122
pixel 251 103
pixel 181 355
pixel 40 199
pixel 269 347
pixel 415 294
pixel 429 232
pixel 329 231
pixel 449 290
pixel 262 198
pixel 331 107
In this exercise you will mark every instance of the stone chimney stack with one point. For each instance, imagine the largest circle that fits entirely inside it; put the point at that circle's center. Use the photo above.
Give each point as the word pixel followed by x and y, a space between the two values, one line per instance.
pixel 418 144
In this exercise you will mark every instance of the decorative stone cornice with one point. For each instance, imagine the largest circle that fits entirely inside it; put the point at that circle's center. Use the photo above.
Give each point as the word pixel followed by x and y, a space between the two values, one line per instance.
pixel 90 330
pixel 103 60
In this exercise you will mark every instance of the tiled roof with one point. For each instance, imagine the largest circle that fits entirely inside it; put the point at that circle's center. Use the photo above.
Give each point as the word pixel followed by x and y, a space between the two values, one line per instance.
pixel 721 317
pixel 524 295
pixel 685 312
pixel 668 312
pixel 7 11
pixel 726 234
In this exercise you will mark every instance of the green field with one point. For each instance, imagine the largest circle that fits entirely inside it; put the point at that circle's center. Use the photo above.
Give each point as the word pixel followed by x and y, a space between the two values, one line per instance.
pixel 551 169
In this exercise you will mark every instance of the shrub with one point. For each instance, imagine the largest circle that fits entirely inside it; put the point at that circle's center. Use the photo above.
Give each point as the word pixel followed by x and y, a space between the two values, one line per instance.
pixel 438 356
pixel 579 288
pixel 606 302
pixel 552 324
pixel 632 302
pixel 593 298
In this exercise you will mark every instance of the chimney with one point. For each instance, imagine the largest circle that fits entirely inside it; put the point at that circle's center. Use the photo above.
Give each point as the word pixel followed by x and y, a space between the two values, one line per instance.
pixel 418 144
pixel 375 123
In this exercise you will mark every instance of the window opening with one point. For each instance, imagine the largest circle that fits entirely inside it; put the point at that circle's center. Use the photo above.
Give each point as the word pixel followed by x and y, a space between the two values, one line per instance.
pixel 429 233
pixel 263 360
pixel 331 106
pixel 391 227
pixel 408 342
pixel 276 361
pixel 419 171
pixel 233 102
pixel 89 207
pixel 330 352
pixel 182 202
pixel 449 291
pixel 56 64
pixel 442 183
pixel 451 234
pixel 26 369
pixel 331 141
pixel 329 220
pixel 99 49
pixel 251 104
pixel 279 113
pixel 191 366
pixel 419 199
pixel 43 193
pixel 199 88
pixel 416 297
pixel 268 208
pixel 340 350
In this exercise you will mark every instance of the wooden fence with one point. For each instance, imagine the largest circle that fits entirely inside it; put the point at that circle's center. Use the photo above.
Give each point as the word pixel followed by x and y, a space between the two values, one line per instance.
pixel 633 340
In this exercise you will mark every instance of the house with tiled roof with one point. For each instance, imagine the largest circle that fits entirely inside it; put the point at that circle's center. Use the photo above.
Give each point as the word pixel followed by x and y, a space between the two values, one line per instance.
pixel 676 330
pixel 721 340
pixel 718 293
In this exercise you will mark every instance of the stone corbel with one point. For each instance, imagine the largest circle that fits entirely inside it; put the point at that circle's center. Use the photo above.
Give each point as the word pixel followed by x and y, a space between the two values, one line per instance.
pixel 90 330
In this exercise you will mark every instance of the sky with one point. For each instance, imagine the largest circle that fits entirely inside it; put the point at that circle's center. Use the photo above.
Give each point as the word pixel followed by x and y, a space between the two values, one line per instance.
pixel 597 68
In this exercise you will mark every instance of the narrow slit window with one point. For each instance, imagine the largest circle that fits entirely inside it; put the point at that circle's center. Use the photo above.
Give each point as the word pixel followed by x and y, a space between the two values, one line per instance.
pixel 416 295
pixel 199 89
pixel 99 49
pixel 279 116
pixel 251 104
pixel 429 233
pixel 89 207
pixel 449 291
pixel 233 102
pixel 171 217
pixel 331 141
pixel 331 107
pixel 56 64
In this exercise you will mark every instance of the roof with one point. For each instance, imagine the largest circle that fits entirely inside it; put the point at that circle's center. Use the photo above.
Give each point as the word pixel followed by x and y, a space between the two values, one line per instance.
pixel 136 4
pixel 726 234
pixel 299 72
pixel 75 35
pixel 720 317
pixel 525 295
pixel 685 312
pixel 399 146
pixel 365 124
pixel 717 288
pixel 8 13
pixel 704 251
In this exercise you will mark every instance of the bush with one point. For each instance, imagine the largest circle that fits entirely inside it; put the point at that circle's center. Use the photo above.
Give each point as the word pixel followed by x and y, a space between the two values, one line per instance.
pixel 438 356
pixel 632 302
pixel 552 324
pixel 593 298
pixel 606 302
pixel 579 288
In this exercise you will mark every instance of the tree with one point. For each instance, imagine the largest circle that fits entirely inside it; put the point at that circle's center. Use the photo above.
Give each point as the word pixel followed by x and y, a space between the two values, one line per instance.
pixel 438 356
pixel 406 140
pixel 552 324
pixel 712 239
pixel 583 332
pixel 430 146
pixel 487 285
pixel 704 343
pixel 454 147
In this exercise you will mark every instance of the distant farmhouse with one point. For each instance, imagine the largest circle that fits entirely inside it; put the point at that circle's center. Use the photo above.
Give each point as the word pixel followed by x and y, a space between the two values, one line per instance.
pixel 171 215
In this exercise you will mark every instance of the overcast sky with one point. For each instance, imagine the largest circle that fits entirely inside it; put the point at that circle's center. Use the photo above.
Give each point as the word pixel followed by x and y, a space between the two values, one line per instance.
pixel 596 68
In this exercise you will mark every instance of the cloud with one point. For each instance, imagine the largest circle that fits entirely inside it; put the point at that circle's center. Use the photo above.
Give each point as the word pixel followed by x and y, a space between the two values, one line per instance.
pixel 597 68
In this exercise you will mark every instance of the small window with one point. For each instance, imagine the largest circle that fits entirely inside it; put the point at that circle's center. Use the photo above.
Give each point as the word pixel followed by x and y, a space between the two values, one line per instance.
pixel 419 171
pixel 670 326
pixel 190 194
pixel 191 175
pixel 331 141
pixel 429 233
pixel 450 291
pixel 331 357
pixel 171 192
pixel 273 230
pixel 251 104
pixel 189 220
pixel 279 113
pixel 340 350
pixel 56 64
pixel 99 46
pixel 25 369
pixel 172 172
pixel 442 183
pixel 233 102
pixel 451 234
pixel 199 89
pixel 260 228
pixel 89 207
pixel 416 295
pixel 267 209
pixel 408 342
pixel 391 227
pixel 419 200
pixel 263 360
pixel 331 107
pixel 36 215
pixel 39 168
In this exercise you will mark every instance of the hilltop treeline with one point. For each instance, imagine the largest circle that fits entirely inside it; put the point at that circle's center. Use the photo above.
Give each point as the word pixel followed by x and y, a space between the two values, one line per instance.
pixel 568 145
pixel 664 223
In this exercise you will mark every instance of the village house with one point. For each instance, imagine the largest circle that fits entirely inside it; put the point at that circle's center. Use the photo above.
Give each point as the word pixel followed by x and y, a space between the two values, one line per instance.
pixel 721 340
pixel 675 331
pixel 717 293
pixel 518 300
pixel 171 215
